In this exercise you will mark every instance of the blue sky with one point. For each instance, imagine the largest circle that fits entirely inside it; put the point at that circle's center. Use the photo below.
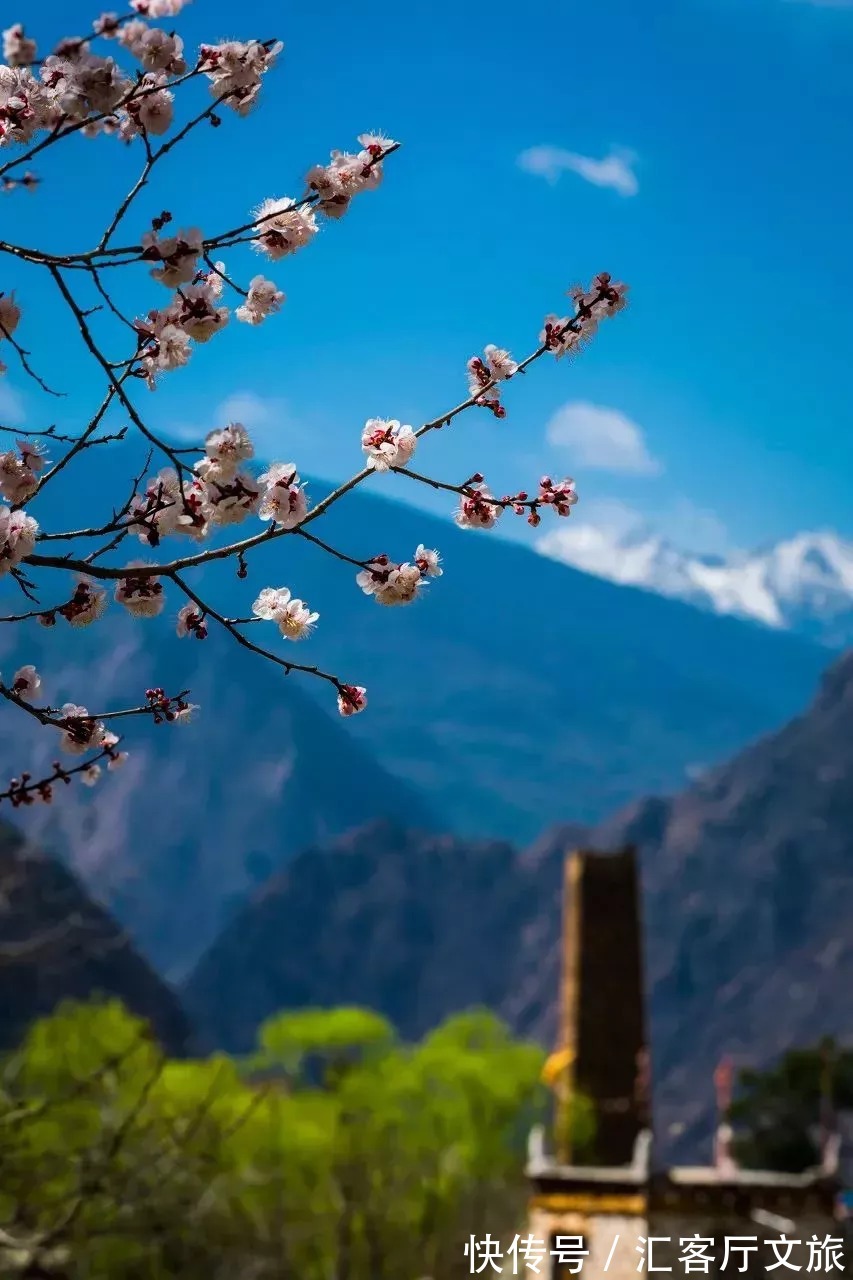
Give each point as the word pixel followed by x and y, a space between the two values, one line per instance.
pixel 697 148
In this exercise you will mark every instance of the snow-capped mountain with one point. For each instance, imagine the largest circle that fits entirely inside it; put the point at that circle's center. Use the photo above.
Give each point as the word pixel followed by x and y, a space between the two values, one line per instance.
pixel 803 584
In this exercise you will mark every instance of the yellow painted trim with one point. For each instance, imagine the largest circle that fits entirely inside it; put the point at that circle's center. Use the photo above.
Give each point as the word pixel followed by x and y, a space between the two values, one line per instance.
pixel 591 1204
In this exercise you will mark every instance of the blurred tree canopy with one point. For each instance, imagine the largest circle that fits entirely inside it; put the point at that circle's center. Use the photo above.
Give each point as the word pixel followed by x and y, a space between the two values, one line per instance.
pixel 335 1151
pixel 778 1114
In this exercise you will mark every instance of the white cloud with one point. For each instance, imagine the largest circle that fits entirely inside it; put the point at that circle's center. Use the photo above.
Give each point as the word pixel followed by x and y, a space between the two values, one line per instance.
pixel 266 417
pixel 615 170
pixel 11 405
pixel 602 438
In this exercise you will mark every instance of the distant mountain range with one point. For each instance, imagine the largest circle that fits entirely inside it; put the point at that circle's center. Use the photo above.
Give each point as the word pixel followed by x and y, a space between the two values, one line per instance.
pixel 748 895
pixel 803 584
pixel 57 944
pixel 518 692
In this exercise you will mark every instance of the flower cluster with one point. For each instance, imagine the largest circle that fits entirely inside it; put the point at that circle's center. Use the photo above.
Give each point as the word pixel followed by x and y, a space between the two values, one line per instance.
pixel 158 8
pixel 82 732
pixel 17 538
pixel 18 49
pixel 391 584
pixel 150 111
pixel 177 255
pixel 294 619
pixel 235 69
pixel 169 710
pixel 86 605
pixel 19 472
pixel 74 85
pixel 346 174
pixel 157 50
pixel 283 500
pixel 219 492
pixel 283 227
pixel 387 443
pixel 484 375
pixel 140 593
pixel 263 299
pixel 478 508
pixel 194 315
pixel 567 334
pixel 559 494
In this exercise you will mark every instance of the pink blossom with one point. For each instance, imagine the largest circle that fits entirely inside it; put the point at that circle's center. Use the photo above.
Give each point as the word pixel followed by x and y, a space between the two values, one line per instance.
pixel 235 69
pixel 10 314
pixel 560 495
pixel 159 8
pixel 191 622
pixel 80 731
pixel 178 255
pixel 478 509
pixel 26 682
pixel 17 538
pixel 18 50
pixel 19 472
pixel 352 698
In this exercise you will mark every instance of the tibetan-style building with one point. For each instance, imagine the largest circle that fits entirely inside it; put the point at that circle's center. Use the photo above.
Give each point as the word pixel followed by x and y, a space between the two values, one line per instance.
pixel 610 1210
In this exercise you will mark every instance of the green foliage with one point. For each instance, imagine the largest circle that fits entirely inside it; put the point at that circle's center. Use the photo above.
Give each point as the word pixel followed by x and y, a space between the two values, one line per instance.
pixel 352 1155
pixel 777 1114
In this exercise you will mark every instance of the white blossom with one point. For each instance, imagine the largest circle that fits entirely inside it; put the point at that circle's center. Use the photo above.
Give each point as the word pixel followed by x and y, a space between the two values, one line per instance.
pixel 141 594
pixel 282 227
pixel 157 50
pixel 387 443
pixel 389 583
pixel 80 731
pixel 19 472
pixel 225 448
pixel 263 300
pixel 159 8
pixel 91 774
pixel 429 562
pixel 283 500
pixel 24 105
pixel 178 255
pixel 191 622
pixel 17 538
pixel 86 605
pixel 26 682
pixel 235 68
pixel 294 618
pixel 18 49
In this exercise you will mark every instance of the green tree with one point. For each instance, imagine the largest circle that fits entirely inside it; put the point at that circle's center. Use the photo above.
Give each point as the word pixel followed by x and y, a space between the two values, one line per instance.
pixel 777 1113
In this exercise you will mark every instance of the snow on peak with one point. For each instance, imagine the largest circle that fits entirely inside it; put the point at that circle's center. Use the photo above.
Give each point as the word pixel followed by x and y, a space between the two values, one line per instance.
pixel 804 583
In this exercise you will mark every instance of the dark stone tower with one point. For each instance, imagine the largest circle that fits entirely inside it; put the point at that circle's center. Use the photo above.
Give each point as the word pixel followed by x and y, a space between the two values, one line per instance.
pixel 602 1016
